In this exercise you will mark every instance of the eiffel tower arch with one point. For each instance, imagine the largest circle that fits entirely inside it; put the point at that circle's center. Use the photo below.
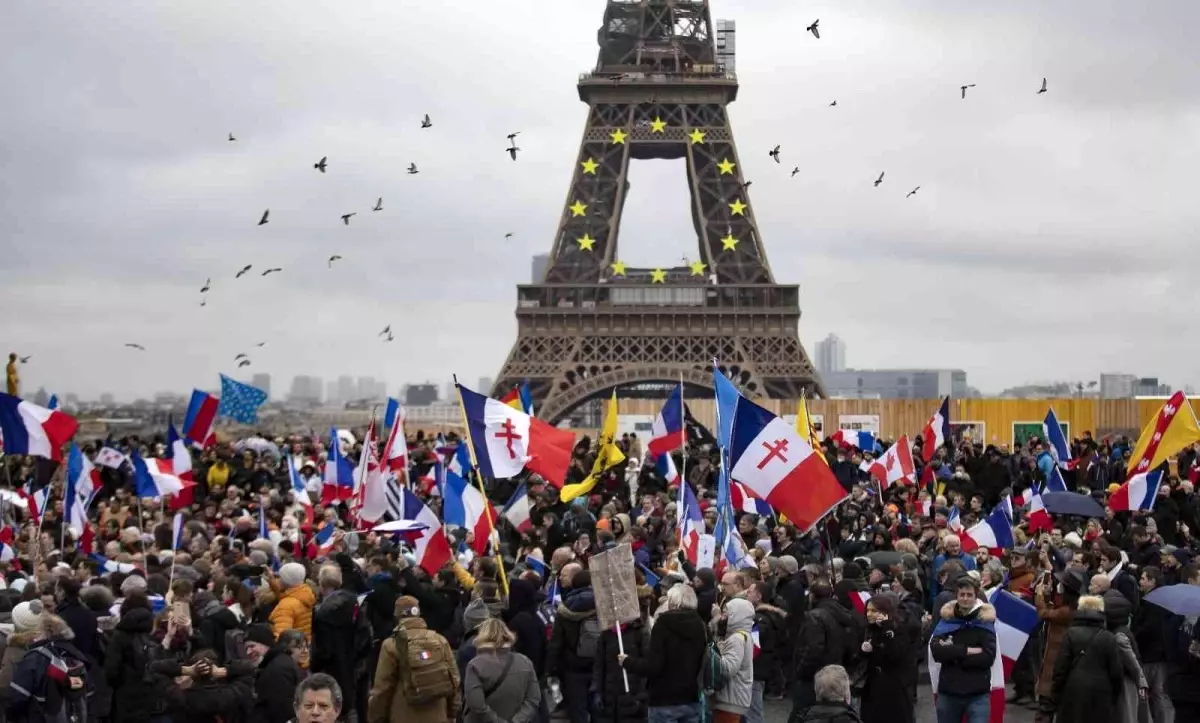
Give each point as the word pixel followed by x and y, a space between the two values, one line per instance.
pixel 660 89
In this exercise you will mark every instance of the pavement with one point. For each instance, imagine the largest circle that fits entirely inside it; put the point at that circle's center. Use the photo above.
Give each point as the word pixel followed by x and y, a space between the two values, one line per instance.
pixel 777 711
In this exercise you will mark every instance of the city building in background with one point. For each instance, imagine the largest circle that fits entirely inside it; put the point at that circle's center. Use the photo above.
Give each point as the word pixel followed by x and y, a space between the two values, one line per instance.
pixel 346 389
pixel 263 382
pixel 1126 386
pixel 895 383
pixel 420 395
pixel 830 355
pixel 306 390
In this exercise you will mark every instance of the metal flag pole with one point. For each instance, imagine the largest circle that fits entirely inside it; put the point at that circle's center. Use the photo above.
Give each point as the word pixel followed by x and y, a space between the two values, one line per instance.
pixel 492 537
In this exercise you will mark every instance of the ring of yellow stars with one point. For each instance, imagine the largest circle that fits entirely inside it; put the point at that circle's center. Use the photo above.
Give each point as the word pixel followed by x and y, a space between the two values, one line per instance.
pixel 729 243
pixel 619 136
pixel 657 125
pixel 726 166
pixel 658 276
pixel 590 166
pixel 737 208
pixel 698 268
pixel 585 242
pixel 618 268
pixel 697 136
pixel 578 209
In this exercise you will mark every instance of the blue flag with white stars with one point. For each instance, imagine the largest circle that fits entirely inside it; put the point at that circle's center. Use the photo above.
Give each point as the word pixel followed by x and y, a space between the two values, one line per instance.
pixel 240 402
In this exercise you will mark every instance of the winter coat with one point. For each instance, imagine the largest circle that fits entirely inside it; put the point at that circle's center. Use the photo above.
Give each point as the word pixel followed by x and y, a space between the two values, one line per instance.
pixel 514 698
pixel 35 697
pixel 887 696
pixel 381 605
pixel 212 701
pixel 737 658
pixel 830 713
pixel 1151 625
pixel 608 680
pixel 274 686
pixel 561 656
pixel 83 624
pixel 137 693
pixel 772 639
pixel 822 639
pixel 672 664
pixel 522 618
pixel 334 622
pixel 963 673
pixel 1057 620
pixel 294 611
pixel 387 701
pixel 1129 705
pixel 215 620
pixel 1087 673
pixel 18 644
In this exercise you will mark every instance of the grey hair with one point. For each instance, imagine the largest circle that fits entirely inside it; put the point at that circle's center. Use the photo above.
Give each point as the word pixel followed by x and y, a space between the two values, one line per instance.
pixel 832 685
pixel 681 597
pixel 315 682
pixel 329 576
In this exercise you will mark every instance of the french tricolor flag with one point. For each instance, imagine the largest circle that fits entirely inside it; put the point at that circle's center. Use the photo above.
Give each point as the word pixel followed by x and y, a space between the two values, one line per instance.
pixel 181 464
pixel 37 501
pixel 667 432
pixel 857 438
pixel 1138 493
pixel 1038 517
pixel 994 532
pixel 339 473
pixel 859 599
pixel 666 467
pixel 107 565
pixel 29 429
pixel 778 466
pixel 324 539
pixel 177 532
pixel 693 525
pixel 937 431
pixel 946 627
pixel 299 491
pixel 464 505
pixel 395 451
pixel 954 522
pixel 83 480
pixel 756 639
pixel 201 416
pixel 1056 442
pixel 1056 483
pixel 431 549
pixel 155 477
pixel 517 511
pixel 1015 622
pixel 743 501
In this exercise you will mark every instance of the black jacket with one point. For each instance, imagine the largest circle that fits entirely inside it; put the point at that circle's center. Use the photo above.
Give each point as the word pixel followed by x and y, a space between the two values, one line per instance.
pixel 213 701
pixel 137 694
pixel 1087 672
pixel 1151 627
pixel 522 618
pixel 964 673
pixel 82 622
pixel 830 713
pixel 335 620
pixel 561 656
pixel 772 639
pixel 609 681
pixel 823 638
pixel 274 685
pixel 672 664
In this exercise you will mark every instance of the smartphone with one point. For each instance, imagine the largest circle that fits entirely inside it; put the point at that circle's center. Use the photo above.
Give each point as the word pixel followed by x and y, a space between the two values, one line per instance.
pixel 181 611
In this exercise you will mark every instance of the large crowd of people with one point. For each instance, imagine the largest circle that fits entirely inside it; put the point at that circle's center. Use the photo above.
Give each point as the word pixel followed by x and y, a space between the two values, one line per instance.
pixel 226 624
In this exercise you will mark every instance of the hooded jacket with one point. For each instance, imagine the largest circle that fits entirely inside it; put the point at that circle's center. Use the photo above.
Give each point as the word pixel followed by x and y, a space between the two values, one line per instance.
pixel 737 657
pixel 573 612
pixel 294 611
pixel 672 665
pixel 965 673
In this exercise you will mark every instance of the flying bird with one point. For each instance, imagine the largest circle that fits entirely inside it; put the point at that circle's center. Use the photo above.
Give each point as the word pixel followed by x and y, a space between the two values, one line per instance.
pixel 231 138
pixel 271 271
pixel 425 122
pixel 207 283
pixel 512 151
pixel 746 185
pixel 241 356
pixel 333 258
pixel 378 205
pixel 795 171
pixel 139 347
pixel 389 337
pixel 321 164
pixel 261 344
pixel 412 169
pixel 204 302
pixel 964 90
pixel 25 359
pixel 508 235
pixel 833 104
pixel 512 137
pixel 1043 90
pixel 244 270
pixel 263 221
pixel 386 330
pixel 774 154
pixel 814 30
pixel 918 188
pixel 346 217
pixel 879 180
pixel 243 363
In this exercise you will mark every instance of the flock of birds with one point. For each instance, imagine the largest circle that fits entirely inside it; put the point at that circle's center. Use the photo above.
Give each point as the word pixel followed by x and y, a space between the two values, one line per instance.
pixel 816 32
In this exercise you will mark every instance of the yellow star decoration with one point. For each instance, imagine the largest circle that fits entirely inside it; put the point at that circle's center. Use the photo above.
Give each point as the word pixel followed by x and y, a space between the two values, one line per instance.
pixel 590 166
pixel 697 136
pixel 726 167
pixel 698 268
pixel 578 209
pixel 618 268
pixel 619 136
pixel 657 125
pixel 658 276
pixel 729 243
pixel 586 242
pixel 737 207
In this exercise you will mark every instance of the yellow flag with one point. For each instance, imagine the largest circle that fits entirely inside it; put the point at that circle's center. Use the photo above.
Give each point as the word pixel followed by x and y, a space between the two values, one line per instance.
pixel 1169 431
pixel 804 427
pixel 607 456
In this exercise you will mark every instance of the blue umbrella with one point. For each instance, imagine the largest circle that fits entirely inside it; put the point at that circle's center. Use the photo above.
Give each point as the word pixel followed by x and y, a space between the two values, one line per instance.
pixel 1181 599
pixel 1071 503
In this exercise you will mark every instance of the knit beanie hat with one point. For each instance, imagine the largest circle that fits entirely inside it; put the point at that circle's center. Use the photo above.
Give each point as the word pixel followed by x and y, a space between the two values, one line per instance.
pixel 131 583
pixel 475 614
pixel 27 616
pixel 292 574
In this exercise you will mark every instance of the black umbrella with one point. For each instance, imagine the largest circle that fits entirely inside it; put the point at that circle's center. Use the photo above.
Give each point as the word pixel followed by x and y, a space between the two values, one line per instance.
pixel 1071 503
pixel 885 558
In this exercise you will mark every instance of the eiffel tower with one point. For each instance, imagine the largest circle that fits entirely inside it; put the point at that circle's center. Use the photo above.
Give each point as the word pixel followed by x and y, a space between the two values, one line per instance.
pixel 659 90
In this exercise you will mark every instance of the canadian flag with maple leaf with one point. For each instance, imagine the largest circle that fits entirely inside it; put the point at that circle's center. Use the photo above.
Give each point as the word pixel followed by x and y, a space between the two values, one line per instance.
pixel 895 465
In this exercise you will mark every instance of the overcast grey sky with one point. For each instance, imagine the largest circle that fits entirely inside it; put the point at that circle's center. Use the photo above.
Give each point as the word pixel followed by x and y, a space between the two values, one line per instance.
pixel 1052 238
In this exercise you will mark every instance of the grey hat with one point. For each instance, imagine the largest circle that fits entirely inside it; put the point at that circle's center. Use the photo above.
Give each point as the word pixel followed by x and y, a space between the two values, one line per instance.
pixel 475 614
pixel 790 566
pixel 292 574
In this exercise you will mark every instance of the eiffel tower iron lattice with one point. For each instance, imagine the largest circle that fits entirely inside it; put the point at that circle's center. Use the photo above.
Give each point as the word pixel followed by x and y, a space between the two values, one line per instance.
pixel 659 90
